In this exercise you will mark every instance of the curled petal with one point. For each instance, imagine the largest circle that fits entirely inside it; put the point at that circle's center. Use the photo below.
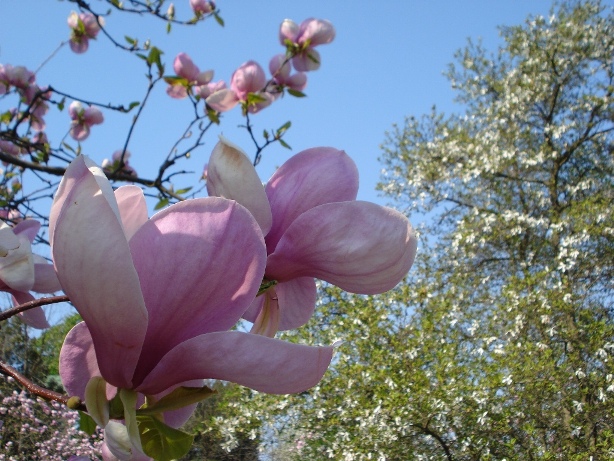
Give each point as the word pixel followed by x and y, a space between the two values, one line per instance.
pixel 92 116
pixel 45 278
pixel 359 246
pixel 260 363
pixel 297 298
pixel 308 179
pixel 94 266
pixel 230 174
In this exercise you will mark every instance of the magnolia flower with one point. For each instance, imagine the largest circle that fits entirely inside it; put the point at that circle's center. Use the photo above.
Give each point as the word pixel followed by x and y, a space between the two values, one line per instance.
pixel 82 119
pixel 280 70
pixel 302 39
pixel 201 7
pixel 118 164
pixel 159 295
pixel 188 75
pixel 84 26
pixel 313 227
pixel 248 80
pixel 21 271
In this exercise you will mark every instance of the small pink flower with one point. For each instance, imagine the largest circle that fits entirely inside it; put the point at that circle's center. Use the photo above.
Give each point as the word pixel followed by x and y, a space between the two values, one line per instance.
pixel 302 39
pixel 201 7
pixel 83 119
pixel 84 26
pixel 115 164
pixel 248 79
pixel 188 75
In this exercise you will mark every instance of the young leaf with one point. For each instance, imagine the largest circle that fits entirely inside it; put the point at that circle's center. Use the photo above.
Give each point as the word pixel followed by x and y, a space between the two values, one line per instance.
pixel 285 144
pixel 161 204
pixel 162 442
pixel 179 398
pixel 86 423
pixel 219 20
pixel 296 93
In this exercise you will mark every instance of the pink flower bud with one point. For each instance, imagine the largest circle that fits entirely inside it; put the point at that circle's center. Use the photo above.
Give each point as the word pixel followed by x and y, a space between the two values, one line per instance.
pixel 185 68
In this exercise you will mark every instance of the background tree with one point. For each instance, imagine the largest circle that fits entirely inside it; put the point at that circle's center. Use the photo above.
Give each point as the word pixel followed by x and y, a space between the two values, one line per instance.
pixel 500 343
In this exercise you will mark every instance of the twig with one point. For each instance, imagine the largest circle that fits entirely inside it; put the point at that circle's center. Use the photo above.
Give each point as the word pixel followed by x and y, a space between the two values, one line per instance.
pixel 4 315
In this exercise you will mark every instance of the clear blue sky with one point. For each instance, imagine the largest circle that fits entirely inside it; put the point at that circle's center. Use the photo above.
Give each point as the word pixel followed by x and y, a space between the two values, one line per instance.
pixel 385 63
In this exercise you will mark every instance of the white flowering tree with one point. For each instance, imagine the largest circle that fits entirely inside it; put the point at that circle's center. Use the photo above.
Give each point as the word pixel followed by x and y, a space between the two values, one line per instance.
pixel 500 344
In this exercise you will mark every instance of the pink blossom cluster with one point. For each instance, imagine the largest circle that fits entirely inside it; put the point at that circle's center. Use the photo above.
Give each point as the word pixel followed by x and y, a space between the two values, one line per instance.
pixel 34 429
pixel 23 82
pixel 249 85
pixel 83 28
pixel 160 296
pixel 202 7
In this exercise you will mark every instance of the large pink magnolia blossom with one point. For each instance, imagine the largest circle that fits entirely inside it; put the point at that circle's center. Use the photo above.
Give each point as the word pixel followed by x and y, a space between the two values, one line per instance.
pixel 314 228
pixel 84 27
pixel 248 79
pixel 159 295
pixel 83 118
pixel 303 39
pixel 21 271
pixel 188 76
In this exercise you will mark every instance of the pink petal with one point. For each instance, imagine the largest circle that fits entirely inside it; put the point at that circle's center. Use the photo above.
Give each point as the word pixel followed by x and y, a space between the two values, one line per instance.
pixel 79 131
pixel 45 278
pixel 200 263
pixel 132 208
pixel 308 179
pixel 248 78
pixel 17 265
pixel 33 317
pixel 359 246
pixel 297 301
pixel 93 263
pixel 307 61
pixel 78 362
pixel 223 100
pixel 261 363
pixel 230 174
pixel 92 116
pixel 27 227
pixel 317 31
pixel 184 67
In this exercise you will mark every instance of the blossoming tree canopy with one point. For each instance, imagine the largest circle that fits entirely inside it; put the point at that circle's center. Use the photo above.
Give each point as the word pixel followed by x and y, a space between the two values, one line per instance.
pixel 139 335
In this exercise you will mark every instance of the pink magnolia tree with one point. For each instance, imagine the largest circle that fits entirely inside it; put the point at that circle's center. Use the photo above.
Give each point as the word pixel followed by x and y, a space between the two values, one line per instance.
pixel 161 296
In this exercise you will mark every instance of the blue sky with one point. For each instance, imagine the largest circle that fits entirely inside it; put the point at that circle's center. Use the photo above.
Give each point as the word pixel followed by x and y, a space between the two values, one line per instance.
pixel 387 62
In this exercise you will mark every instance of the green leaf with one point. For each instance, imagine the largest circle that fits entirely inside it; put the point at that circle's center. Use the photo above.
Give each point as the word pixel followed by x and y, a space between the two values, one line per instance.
pixel 161 204
pixel 168 27
pixel 282 129
pixel 285 144
pixel 179 398
pixel 61 104
pixel 87 423
pixel 213 116
pixel 161 442
pixel 265 134
pixel 130 40
pixel 184 190
pixel 218 19
pixel 296 93
pixel 133 105
pixel 173 80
